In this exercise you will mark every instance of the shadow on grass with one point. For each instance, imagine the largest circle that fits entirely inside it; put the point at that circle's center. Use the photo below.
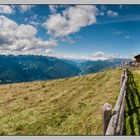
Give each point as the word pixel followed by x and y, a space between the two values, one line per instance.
pixel 132 114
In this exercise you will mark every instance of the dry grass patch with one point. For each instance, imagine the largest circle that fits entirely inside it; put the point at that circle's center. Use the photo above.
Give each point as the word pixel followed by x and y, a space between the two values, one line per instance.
pixel 69 106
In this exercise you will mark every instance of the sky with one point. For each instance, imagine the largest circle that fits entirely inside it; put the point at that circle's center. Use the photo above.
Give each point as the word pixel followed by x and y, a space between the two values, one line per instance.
pixel 92 32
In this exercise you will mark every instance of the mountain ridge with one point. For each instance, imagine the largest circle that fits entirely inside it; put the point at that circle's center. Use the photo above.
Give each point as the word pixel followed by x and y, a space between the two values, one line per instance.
pixel 25 68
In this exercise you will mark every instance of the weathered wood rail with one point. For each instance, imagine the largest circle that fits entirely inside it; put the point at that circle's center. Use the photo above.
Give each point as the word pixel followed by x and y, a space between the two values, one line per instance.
pixel 113 121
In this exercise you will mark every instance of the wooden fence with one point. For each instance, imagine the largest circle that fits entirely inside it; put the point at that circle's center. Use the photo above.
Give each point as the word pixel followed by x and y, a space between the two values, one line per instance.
pixel 113 121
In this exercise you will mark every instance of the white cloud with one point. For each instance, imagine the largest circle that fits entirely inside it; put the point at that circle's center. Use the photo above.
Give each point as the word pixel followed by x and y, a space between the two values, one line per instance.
pixel 6 9
pixel 53 8
pixel 25 8
pixel 129 37
pixel 99 12
pixel 111 13
pixel 6 23
pixel 68 39
pixel 99 56
pixel 21 39
pixel 34 23
pixel 26 31
pixel 102 13
pixel 103 56
pixel 49 52
pixel 69 56
pixel 103 8
pixel 71 20
pixel 118 32
pixel 94 56
pixel 33 20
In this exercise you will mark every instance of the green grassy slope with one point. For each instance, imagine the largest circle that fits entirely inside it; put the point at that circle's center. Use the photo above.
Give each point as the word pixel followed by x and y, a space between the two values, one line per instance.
pixel 132 112
pixel 58 107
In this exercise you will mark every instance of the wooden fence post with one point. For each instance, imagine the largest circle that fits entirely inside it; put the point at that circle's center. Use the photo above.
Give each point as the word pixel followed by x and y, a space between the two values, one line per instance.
pixel 114 119
pixel 106 115
pixel 124 71
pixel 120 125
pixel 122 79
pixel 113 122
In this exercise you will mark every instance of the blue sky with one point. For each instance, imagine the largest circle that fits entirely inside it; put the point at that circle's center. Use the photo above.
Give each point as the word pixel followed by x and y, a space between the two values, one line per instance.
pixel 70 31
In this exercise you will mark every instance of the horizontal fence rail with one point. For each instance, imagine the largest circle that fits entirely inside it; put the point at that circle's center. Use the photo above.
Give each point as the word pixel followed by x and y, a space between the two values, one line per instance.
pixel 113 121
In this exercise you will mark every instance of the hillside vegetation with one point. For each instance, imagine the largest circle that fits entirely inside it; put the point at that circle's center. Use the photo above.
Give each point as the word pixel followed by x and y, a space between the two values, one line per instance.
pixel 71 106
pixel 28 68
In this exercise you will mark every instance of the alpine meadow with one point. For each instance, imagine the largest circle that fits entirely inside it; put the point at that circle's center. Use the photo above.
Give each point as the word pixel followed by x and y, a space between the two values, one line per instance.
pixel 69 70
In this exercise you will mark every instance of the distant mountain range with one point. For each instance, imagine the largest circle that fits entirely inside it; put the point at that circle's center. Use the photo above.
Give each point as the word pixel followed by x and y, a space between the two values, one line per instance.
pixel 24 68
pixel 96 66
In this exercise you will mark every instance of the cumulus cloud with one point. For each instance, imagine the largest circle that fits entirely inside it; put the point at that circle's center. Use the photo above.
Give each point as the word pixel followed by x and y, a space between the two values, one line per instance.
pixel 69 39
pixel 103 8
pixel 129 37
pixel 6 9
pixel 102 14
pixel 118 32
pixel 103 56
pixel 101 11
pixel 21 39
pixel 99 56
pixel 94 56
pixel 49 52
pixel 111 13
pixel 71 20
pixel 69 56
pixel 53 8
pixel 26 31
pixel 25 8
pixel 34 20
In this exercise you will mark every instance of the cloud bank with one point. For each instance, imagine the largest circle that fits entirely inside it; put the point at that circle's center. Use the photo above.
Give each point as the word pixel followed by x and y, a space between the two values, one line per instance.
pixel 21 39
pixel 111 13
pixel 6 9
pixel 25 8
pixel 71 20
